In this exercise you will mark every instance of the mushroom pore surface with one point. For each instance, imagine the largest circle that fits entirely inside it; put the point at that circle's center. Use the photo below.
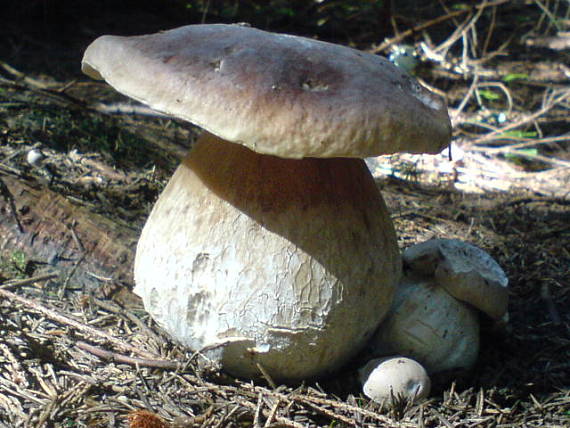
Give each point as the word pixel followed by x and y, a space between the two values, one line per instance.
pixel 287 263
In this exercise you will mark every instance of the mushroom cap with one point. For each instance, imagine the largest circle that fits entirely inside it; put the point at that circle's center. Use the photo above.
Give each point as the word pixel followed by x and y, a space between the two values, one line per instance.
pixel 429 325
pixel 385 378
pixel 277 94
pixel 466 272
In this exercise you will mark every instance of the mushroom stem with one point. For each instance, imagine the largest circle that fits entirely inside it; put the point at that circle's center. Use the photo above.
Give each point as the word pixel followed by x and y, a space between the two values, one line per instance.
pixel 287 263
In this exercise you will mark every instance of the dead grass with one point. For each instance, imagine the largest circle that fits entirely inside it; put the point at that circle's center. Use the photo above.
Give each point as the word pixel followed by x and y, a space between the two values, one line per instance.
pixel 83 361
pixel 77 357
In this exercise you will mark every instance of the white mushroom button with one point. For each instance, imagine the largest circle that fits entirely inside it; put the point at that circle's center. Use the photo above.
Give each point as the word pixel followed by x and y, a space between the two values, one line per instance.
pixel 271 245
pixel 387 378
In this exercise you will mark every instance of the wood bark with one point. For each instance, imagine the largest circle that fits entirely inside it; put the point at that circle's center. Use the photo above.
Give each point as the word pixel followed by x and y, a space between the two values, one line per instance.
pixel 85 248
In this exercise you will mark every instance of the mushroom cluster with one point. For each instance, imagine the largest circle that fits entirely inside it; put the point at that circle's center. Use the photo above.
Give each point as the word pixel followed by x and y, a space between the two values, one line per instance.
pixel 435 315
pixel 271 247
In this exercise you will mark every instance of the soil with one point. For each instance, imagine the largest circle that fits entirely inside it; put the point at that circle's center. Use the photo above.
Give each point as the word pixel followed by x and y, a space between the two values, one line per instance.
pixel 77 348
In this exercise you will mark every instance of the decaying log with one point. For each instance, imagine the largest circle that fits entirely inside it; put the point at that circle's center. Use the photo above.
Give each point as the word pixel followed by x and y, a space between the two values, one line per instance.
pixel 84 248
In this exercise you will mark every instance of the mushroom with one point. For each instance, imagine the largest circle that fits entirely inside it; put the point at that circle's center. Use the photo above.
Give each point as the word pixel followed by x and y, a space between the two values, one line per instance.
pixel 435 315
pixel 271 247
pixel 429 325
pixel 386 379
pixel 466 272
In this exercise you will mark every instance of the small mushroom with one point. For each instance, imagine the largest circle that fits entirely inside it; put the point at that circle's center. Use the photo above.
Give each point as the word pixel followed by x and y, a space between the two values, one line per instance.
pixel 429 323
pixel 384 379
pixel 266 247
pixel 466 272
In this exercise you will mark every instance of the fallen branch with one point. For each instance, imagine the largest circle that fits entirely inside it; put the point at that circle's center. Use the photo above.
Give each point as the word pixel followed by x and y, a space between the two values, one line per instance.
pixel 142 362
pixel 106 246
pixel 28 281
pixel 523 143
pixel 128 109
pixel 496 135
pixel 396 39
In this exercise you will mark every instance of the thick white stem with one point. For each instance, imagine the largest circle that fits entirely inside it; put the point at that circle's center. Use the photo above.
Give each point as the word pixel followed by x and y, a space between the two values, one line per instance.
pixel 287 263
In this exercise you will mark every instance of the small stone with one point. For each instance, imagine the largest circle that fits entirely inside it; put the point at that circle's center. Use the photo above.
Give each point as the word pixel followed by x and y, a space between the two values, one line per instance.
pixel 35 157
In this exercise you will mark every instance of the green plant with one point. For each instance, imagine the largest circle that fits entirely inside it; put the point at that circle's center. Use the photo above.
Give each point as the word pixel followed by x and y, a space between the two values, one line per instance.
pixel 515 76
pixel 13 265
pixel 64 130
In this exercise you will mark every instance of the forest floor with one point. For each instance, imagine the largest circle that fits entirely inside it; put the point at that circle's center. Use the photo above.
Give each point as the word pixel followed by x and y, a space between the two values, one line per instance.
pixel 77 348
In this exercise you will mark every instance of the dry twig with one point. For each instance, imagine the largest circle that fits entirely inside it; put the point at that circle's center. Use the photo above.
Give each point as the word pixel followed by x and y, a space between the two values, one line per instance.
pixel 389 42
pixel 141 362
pixel 63 319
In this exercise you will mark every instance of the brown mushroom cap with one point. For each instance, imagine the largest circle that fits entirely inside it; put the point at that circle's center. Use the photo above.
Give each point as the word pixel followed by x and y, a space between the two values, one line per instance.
pixel 276 94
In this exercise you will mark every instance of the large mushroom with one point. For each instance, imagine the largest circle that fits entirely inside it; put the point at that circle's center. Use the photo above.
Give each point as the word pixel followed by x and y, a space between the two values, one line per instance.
pixel 271 247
